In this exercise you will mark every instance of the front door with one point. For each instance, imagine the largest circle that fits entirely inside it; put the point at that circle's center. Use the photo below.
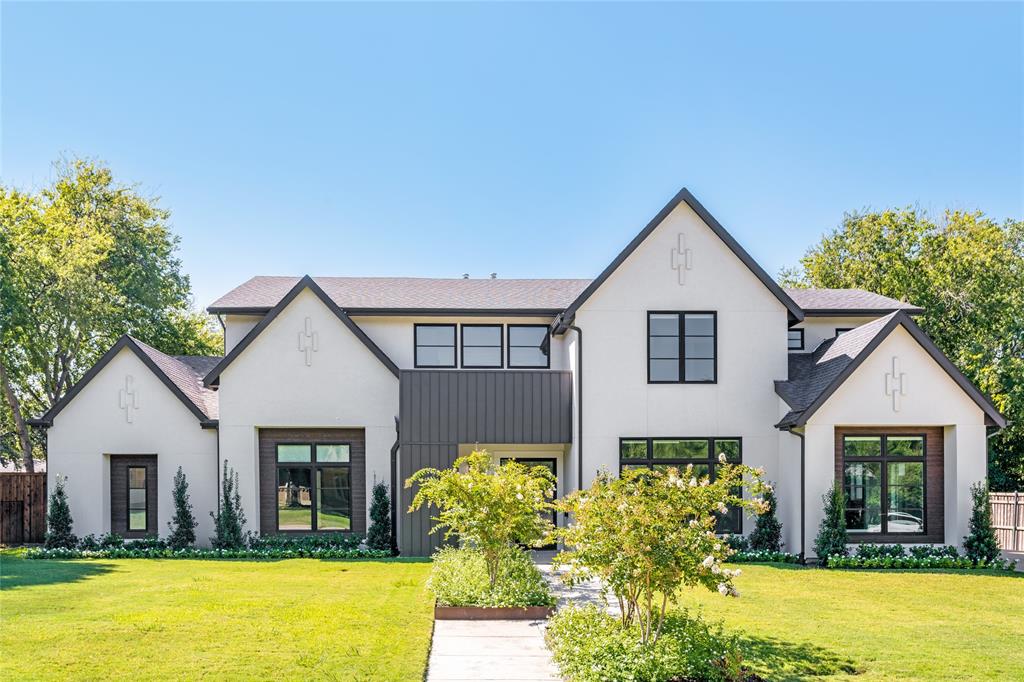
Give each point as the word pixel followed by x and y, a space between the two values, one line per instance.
pixel 552 465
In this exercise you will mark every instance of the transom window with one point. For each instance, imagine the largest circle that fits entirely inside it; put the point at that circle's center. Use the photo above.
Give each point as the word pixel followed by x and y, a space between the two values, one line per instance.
pixel 662 454
pixel 528 346
pixel 137 498
pixel 796 339
pixel 682 347
pixel 435 345
pixel 883 478
pixel 481 345
pixel 314 487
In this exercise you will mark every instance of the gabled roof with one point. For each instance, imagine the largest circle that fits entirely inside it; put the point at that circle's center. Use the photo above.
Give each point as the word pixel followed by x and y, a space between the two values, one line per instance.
pixel 847 302
pixel 306 282
pixel 683 196
pixel 182 374
pixel 814 377
pixel 398 295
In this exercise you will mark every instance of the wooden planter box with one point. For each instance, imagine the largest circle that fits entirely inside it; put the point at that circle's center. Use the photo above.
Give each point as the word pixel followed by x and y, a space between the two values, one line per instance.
pixel 492 612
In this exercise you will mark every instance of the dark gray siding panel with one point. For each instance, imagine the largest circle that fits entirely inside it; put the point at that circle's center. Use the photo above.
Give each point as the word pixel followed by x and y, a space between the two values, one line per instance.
pixel 439 409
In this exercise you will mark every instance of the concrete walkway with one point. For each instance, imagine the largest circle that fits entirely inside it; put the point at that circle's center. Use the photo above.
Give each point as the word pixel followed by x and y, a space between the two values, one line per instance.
pixel 490 650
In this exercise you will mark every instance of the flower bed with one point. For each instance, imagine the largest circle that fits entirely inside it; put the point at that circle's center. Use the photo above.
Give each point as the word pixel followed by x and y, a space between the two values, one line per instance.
pixel 459 579
pixel 922 556
pixel 763 556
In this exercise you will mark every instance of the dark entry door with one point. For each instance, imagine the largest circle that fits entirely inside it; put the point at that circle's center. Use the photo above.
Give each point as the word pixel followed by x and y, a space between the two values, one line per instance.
pixel 552 465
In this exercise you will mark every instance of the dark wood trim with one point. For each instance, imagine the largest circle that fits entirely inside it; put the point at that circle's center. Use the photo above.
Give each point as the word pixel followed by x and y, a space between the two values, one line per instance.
pixel 934 483
pixel 119 465
pixel 493 612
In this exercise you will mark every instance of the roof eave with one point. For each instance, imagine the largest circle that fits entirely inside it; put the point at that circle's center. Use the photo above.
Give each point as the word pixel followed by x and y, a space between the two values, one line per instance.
pixel 859 312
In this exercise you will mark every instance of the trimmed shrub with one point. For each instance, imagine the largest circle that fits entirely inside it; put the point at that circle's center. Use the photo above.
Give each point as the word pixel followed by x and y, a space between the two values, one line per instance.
pixel 379 535
pixel 183 525
pixel 879 551
pixel 129 551
pixel 460 577
pixel 763 556
pixel 736 543
pixel 230 518
pixel 832 538
pixel 58 519
pixel 306 543
pixel 981 544
pixel 590 645
pixel 767 533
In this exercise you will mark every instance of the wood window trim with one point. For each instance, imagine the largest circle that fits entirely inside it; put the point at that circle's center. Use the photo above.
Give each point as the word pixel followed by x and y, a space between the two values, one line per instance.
pixel 128 497
pixel 501 345
pixel 547 337
pixel 884 459
pixel 711 460
pixel 119 494
pixel 416 345
pixel 313 466
pixel 802 340
pixel 681 314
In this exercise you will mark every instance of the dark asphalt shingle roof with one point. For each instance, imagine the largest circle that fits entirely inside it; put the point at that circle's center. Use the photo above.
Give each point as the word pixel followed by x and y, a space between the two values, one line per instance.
pixel 811 374
pixel 187 372
pixel 846 299
pixel 418 293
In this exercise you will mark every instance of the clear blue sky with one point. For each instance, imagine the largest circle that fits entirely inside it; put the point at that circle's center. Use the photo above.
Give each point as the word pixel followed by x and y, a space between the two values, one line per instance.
pixel 532 140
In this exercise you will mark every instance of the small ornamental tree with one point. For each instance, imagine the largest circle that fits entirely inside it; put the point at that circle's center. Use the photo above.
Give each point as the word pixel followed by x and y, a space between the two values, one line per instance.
pixel 489 507
pixel 379 535
pixel 767 533
pixel 648 533
pixel 981 545
pixel 58 518
pixel 230 518
pixel 831 540
pixel 183 525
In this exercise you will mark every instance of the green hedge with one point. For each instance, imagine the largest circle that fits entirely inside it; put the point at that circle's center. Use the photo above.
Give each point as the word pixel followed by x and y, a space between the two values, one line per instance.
pixel 764 556
pixel 459 578
pixel 917 556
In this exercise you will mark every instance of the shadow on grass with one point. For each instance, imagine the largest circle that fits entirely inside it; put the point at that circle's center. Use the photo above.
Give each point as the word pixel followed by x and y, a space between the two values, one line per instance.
pixel 777 659
pixel 17 572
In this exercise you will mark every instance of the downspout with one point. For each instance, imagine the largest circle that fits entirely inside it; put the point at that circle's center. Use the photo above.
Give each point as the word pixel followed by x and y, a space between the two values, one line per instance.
pixel 223 334
pixel 394 491
pixel 217 477
pixel 803 496
pixel 579 399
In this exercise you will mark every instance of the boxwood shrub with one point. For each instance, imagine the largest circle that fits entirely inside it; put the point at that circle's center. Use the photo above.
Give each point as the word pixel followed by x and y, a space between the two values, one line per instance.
pixel 919 556
pixel 589 645
pixel 459 578
pixel 764 556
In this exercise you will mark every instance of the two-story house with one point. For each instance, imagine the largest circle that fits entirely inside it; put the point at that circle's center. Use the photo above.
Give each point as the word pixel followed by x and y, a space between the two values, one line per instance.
pixel 682 349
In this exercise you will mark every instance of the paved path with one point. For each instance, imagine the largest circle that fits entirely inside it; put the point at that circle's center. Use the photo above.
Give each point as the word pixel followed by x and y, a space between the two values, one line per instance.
pixel 490 650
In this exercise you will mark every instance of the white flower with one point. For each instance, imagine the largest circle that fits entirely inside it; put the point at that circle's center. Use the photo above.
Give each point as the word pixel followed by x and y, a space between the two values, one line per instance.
pixel 721 457
pixel 708 562
pixel 718 547
pixel 722 508
pixel 716 569
pixel 519 496
pixel 693 481
pixel 723 589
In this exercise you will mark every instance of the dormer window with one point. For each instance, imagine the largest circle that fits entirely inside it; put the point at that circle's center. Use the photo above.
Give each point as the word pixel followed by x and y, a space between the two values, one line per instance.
pixel 796 339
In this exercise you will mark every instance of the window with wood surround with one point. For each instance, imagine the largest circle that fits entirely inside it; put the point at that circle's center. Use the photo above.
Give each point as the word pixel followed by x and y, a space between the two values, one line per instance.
pixel 662 454
pixel 682 347
pixel 796 339
pixel 138 498
pixel 482 346
pixel 314 487
pixel 884 483
pixel 529 346
pixel 434 345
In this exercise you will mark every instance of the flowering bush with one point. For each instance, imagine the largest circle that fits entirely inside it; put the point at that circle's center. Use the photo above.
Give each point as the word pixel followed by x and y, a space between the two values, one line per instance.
pixel 921 556
pixel 490 507
pixel 764 556
pixel 648 533
pixel 590 645
pixel 459 578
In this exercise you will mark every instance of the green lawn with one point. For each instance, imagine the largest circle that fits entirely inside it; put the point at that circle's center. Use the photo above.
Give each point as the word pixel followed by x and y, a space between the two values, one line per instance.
pixel 296 619
pixel 875 625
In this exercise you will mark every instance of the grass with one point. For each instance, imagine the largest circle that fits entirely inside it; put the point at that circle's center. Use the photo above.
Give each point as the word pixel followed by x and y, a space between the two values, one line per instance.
pixel 295 619
pixel 800 622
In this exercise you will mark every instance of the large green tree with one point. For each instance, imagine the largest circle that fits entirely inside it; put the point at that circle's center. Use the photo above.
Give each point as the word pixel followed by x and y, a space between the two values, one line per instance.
pixel 82 262
pixel 967 272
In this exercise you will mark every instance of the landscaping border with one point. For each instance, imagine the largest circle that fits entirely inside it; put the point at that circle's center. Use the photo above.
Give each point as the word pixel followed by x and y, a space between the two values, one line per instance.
pixel 493 612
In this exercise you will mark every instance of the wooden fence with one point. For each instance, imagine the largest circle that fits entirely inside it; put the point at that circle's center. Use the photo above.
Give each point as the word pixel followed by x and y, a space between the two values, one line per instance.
pixel 1008 520
pixel 22 508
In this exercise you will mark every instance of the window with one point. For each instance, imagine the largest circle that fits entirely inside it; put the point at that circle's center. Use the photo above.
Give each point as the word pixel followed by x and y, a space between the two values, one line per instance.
pixel 528 346
pixel 682 348
pixel 796 339
pixel 883 478
pixel 843 330
pixel 664 453
pixel 314 487
pixel 435 345
pixel 137 498
pixel 481 345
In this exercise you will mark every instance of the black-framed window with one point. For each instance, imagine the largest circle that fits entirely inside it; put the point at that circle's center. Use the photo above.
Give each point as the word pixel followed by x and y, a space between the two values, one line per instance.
pixel 702 453
pixel 796 339
pixel 529 346
pixel 482 345
pixel 314 487
pixel 682 347
pixel 884 483
pixel 843 330
pixel 138 502
pixel 434 345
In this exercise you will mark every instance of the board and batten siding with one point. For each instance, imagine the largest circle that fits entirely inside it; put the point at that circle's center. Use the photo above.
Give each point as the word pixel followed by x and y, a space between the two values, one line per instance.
pixel 269 440
pixel 119 494
pixel 440 409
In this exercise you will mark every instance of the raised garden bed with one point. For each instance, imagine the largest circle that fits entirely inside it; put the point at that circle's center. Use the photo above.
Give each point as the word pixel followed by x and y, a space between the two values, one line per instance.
pixel 493 612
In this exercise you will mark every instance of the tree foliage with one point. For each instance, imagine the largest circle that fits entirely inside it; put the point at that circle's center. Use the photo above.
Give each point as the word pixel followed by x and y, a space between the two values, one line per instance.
pixel 229 519
pixel 832 538
pixel 490 507
pixel 981 545
pixel 59 524
pixel 767 533
pixel 82 262
pixel 647 533
pixel 379 535
pixel 967 272
pixel 183 525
